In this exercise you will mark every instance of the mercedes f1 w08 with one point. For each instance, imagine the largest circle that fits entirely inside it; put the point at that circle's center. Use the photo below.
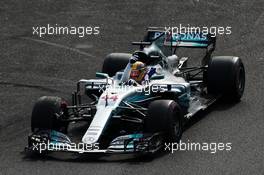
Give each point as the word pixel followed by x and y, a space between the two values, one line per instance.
pixel 128 116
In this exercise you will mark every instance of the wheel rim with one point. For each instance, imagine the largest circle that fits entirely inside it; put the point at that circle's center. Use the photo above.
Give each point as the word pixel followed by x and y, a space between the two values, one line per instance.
pixel 177 124
pixel 241 79
pixel 177 128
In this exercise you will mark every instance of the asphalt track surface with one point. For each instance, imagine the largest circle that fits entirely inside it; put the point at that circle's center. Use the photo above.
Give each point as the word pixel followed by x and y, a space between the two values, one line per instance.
pixel 30 69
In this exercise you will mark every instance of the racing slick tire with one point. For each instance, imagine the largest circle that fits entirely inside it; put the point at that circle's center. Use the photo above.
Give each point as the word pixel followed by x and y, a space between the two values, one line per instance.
pixel 166 116
pixel 226 76
pixel 115 62
pixel 44 114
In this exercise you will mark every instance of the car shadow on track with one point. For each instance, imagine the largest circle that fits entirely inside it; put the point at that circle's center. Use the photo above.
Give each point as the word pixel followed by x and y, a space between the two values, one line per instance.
pixel 220 105
pixel 92 158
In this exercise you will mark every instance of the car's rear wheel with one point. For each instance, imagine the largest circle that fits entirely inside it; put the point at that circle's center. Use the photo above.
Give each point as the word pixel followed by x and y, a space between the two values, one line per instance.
pixel 45 114
pixel 226 76
pixel 165 116
pixel 115 62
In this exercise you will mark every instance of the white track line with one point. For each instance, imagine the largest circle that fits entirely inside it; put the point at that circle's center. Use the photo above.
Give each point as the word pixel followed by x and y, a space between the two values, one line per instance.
pixel 58 45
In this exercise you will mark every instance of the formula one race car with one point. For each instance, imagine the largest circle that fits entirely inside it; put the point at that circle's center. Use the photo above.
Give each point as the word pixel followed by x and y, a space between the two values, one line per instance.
pixel 129 116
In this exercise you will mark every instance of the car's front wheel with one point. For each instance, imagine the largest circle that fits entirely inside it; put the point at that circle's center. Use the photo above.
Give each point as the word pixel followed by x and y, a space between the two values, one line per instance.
pixel 45 114
pixel 165 116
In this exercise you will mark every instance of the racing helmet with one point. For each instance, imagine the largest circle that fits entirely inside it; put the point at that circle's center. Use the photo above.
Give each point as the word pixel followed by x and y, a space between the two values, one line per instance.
pixel 138 71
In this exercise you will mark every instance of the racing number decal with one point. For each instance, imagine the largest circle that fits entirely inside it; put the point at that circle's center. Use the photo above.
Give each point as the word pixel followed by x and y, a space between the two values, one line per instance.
pixel 111 97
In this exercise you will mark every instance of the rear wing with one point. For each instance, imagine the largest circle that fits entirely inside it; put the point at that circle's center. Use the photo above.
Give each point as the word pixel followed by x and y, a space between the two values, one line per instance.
pixel 199 40
pixel 186 40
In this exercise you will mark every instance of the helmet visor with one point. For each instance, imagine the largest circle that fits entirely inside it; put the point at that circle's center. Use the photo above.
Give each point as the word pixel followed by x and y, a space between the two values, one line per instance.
pixel 134 73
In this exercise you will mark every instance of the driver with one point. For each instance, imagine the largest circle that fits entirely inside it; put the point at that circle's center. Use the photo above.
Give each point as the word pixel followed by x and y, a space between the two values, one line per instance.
pixel 140 73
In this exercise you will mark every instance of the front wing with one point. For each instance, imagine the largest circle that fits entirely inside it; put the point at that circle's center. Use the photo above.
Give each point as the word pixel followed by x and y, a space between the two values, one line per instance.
pixel 44 141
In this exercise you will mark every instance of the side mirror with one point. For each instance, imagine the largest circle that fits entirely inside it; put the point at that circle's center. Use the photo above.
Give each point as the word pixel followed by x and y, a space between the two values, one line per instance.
pixel 101 75
pixel 157 77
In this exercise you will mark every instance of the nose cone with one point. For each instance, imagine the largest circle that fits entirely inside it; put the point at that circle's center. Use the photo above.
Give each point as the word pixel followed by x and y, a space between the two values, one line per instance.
pixel 97 125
